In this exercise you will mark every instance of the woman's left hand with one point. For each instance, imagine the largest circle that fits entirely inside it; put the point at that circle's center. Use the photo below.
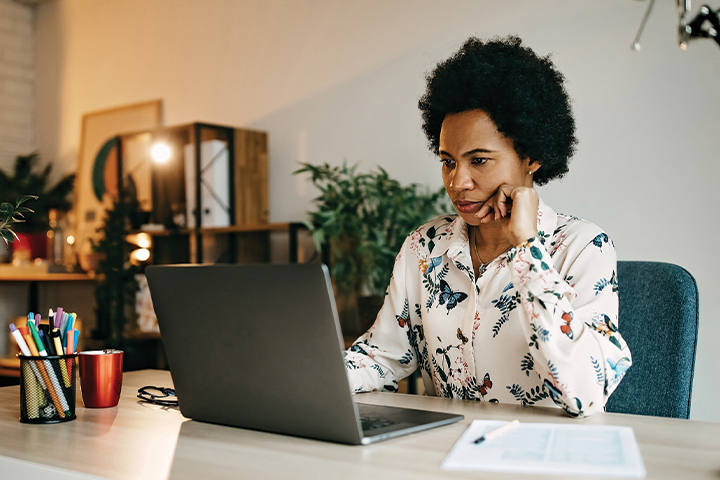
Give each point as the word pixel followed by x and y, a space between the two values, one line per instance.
pixel 516 208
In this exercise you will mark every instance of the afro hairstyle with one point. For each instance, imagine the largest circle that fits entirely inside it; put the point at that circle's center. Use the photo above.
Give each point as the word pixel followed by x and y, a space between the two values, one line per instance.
pixel 523 94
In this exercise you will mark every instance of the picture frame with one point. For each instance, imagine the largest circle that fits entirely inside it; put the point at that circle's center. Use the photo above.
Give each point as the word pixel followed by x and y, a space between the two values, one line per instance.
pixel 98 167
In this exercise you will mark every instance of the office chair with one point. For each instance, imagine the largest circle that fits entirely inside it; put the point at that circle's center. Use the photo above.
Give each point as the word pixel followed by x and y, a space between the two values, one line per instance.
pixel 659 320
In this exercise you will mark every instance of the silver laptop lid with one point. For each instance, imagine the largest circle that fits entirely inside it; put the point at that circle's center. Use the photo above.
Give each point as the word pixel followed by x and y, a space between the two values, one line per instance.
pixel 248 346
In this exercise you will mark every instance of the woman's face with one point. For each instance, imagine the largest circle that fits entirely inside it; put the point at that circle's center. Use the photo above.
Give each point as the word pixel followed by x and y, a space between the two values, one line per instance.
pixel 477 159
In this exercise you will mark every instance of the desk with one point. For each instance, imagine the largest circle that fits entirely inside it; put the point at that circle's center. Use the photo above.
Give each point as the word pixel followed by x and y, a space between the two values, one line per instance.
pixel 138 441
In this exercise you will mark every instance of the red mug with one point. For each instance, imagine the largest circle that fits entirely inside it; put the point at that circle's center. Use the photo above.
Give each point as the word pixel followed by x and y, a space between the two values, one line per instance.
pixel 101 377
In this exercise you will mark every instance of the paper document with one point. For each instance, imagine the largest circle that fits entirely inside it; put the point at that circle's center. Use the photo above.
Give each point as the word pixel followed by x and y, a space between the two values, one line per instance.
pixel 549 449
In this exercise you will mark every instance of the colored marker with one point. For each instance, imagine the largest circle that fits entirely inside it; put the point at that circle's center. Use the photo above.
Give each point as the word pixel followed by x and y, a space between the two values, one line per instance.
pixel 70 324
pixel 49 346
pixel 58 317
pixel 42 367
pixel 50 372
pixel 31 407
pixel 25 351
pixel 70 342
pixel 37 319
pixel 55 335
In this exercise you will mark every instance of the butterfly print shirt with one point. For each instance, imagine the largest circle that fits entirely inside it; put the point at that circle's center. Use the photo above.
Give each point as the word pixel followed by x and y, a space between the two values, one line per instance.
pixel 538 327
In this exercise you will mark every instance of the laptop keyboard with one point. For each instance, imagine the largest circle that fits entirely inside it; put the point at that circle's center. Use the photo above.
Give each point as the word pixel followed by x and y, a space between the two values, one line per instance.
pixel 373 423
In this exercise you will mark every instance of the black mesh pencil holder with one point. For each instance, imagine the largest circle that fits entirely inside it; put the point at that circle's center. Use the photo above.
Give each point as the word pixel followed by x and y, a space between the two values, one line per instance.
pixel 47 388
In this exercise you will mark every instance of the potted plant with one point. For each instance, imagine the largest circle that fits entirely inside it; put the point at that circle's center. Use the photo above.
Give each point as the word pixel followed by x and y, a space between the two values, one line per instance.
pixel 25 177
pixel 365 218
pixel 13 214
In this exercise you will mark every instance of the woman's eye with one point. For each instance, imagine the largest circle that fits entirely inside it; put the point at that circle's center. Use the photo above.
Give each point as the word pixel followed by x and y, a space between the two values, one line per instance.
pixel 447 162
pixel 479 161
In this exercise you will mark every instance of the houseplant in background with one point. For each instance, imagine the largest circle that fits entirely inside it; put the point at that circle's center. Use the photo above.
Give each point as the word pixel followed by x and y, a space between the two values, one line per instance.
pixel 365 218
pixel 26 177
pixel 116 284
pixel 12 214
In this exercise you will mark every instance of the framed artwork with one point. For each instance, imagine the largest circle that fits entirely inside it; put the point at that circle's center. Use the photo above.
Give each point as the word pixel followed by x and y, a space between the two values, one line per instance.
pixel 96 181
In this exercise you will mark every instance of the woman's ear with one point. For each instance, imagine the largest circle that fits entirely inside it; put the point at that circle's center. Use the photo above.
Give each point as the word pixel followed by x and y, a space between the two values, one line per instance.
pixel 531 165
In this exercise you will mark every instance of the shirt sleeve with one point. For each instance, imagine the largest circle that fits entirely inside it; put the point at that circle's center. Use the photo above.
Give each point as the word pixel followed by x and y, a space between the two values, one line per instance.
pixel 571 322
pixel 384 355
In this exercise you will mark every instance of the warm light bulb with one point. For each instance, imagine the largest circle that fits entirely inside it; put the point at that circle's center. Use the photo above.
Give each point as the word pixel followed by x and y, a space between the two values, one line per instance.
pixel 160 152
pixel 143 240
pixel 142 254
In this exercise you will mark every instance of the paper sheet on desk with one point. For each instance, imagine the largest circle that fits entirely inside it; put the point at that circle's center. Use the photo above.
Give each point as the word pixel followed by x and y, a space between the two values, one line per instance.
pixel 550 449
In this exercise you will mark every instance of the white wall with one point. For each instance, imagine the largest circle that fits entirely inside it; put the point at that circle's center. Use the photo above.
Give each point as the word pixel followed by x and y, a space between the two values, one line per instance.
pixel 17 75
pixel 334 80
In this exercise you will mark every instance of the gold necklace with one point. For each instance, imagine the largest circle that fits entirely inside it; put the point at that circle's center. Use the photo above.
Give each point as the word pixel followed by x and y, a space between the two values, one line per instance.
pixel 483 265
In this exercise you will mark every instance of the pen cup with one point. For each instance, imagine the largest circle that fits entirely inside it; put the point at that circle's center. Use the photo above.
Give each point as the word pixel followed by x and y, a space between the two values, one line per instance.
pixel 47 388
pixel 101 373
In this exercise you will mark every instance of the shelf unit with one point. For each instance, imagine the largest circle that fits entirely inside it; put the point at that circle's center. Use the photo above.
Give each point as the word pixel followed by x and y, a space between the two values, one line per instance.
pixel 211 197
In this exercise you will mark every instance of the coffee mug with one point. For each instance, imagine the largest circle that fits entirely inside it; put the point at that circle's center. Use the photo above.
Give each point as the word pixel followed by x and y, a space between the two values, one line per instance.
pixel 101 377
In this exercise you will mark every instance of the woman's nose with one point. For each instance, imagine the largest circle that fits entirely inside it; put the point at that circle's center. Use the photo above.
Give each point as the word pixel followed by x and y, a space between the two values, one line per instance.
pixel 461 178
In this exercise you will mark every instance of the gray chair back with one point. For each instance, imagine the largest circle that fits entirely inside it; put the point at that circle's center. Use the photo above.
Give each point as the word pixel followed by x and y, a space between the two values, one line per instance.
pixel 659 321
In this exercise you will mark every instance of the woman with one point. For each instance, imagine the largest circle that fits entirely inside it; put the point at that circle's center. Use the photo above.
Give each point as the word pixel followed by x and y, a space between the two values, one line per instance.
pixel 507 301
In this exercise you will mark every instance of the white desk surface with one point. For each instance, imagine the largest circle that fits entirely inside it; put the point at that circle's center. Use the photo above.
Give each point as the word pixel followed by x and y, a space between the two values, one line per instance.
pixel 137 441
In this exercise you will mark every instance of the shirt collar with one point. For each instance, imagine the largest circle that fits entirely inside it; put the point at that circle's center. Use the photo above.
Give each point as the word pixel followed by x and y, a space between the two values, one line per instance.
pixel 456 242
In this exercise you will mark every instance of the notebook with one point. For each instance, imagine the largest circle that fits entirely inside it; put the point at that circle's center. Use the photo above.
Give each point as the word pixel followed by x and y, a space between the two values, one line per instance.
pixel 260 347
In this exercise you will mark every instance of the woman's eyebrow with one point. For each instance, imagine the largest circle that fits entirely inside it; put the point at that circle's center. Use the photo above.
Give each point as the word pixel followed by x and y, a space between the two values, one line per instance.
pixel 477 150
pixel 468 153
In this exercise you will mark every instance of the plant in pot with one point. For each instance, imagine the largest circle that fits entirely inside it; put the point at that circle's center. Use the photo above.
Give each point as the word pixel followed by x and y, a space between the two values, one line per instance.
pixel 365 218
pixel 12 214
pixel 27 177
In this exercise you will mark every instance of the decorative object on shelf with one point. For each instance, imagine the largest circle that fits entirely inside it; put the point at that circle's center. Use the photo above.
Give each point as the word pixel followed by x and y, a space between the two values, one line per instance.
pixel 28 176
pixel 365 219
pixel 204 181
pixel 99 169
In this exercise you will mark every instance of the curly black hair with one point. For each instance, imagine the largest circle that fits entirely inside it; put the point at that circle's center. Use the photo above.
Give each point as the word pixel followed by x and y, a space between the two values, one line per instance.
pixel 523 94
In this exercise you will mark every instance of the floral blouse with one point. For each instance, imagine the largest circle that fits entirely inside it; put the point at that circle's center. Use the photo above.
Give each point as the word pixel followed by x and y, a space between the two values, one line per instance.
pixel 538 327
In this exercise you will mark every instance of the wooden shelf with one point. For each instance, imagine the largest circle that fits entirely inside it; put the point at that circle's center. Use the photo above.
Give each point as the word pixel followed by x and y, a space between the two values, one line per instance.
pixel 7 275
pixel 257 227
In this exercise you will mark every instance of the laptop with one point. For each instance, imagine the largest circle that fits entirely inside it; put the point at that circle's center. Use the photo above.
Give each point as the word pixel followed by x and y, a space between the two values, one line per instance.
pixel 260 347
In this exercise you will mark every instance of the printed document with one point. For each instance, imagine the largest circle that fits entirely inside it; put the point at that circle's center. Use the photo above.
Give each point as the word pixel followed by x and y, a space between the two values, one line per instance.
pixel 549 449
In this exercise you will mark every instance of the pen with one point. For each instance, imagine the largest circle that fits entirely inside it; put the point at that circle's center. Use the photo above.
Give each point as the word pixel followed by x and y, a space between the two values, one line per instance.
pixel 70 324
pixel 70 342
pixel 46 378
pixel 31 406
pixel 47 342
pixel 58 317
pixel 497 431
pixel 17 335
pixel 55 335
pixel 52 380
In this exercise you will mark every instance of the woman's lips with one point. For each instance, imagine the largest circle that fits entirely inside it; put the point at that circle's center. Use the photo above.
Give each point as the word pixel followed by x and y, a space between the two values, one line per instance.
pixel 468 207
